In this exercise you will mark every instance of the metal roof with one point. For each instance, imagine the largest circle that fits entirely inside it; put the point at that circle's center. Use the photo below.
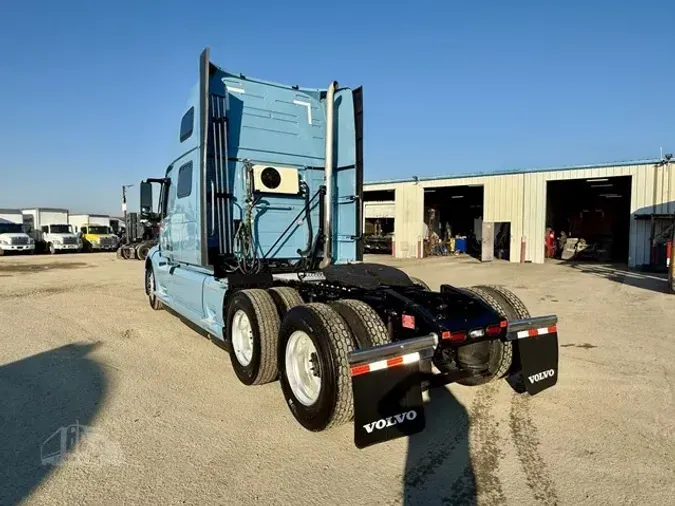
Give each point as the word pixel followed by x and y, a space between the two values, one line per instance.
pixel 46 209
pixel 518 171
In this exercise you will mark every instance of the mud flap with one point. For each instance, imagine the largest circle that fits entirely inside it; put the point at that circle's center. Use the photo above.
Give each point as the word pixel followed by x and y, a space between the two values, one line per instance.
pixel 386 382
pixel 387 405
pixel 539 361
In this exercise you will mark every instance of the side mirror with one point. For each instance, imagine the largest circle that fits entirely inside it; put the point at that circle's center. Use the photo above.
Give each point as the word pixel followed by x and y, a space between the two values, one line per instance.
pixel 146 199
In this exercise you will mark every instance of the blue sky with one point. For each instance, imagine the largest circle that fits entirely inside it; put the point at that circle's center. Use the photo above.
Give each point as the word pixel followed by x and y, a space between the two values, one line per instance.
pixel 91 93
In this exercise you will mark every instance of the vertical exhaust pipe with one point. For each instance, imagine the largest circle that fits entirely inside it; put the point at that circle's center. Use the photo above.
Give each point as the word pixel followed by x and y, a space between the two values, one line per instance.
pixel 328 199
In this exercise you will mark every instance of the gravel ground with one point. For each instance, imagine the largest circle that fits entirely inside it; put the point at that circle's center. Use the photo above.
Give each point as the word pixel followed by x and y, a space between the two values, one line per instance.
pixel 167 422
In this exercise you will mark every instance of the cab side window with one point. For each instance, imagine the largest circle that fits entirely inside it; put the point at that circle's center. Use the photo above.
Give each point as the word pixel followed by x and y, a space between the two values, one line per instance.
pixel 187 124
pixel 184 180
pixel 83 230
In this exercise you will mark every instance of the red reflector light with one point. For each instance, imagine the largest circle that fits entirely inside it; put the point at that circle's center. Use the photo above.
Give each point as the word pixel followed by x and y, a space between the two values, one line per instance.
pixel 552 329
pixel 457 337
pixel 503 324
pixel 360 369
pixel 494 330
pixel 392 362
pixel 408 321
pixel 446 335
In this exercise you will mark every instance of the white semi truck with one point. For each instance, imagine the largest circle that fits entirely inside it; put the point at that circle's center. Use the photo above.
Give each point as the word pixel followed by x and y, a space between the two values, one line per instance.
pixel 13 239
pixel 95 231
pixel 51 231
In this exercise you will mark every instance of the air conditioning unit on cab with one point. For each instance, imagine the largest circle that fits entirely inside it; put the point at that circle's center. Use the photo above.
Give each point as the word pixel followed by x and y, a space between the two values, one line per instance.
pixel 272 179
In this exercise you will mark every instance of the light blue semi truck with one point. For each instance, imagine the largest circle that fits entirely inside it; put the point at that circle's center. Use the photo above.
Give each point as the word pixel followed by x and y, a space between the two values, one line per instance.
pixel 260 247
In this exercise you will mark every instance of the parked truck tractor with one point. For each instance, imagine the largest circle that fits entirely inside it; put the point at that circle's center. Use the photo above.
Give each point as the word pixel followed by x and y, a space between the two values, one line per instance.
pixel 95 232
pixel 13 238
pixel 260 246
pixel 142 232
pixel 51 231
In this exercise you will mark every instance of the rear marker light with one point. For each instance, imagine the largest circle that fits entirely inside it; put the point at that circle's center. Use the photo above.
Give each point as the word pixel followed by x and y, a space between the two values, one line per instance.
pixel 494 330
pixel 503 324
pixel 446 335
pixel 458 337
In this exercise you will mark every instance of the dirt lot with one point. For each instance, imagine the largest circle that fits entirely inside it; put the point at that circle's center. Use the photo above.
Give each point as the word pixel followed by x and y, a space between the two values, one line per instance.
pixel 170 424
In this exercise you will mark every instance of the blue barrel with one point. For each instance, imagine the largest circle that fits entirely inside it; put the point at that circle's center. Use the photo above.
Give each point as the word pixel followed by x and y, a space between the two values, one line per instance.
pixel 460 245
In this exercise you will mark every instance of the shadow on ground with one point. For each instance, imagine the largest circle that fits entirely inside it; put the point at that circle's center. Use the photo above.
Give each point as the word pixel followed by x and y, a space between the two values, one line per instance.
pixel 40 267
pixel 438 463
pixel 619 273
pixel 46 401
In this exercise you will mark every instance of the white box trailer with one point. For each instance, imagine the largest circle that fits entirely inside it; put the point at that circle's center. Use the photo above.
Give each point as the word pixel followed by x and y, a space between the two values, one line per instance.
pixel 13 238
pixel 95 231
pixel 80 220
pixel 51 231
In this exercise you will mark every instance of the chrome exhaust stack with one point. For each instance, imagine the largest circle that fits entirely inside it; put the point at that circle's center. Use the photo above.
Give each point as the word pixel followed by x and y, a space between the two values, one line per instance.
pixel 328 198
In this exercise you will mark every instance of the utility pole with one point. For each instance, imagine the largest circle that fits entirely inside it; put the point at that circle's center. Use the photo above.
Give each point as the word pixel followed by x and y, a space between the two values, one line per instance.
pixel 124 211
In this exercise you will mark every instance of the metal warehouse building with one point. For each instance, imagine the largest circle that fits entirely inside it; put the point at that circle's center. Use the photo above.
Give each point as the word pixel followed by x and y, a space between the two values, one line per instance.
pixel 629 202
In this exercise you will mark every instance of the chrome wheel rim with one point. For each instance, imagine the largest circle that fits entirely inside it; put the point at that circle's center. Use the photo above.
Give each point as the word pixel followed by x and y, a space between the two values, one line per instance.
pixel 302 368
pixel 242 337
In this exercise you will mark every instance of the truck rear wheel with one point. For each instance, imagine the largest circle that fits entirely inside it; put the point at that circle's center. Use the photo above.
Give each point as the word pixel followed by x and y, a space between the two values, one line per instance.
pixel 314 344
pixel 499 353
pixel 150 290
pixel 142 251
pixel 252 325
pixel 365 324
pixel 285 298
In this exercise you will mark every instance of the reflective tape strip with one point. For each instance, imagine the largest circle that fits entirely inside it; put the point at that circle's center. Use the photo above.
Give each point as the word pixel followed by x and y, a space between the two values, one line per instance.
pixel 537 332
pixel 409 358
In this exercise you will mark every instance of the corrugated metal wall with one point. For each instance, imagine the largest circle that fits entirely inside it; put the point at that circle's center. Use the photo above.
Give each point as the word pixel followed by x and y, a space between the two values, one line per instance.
pixel 521 200
pixel 408 227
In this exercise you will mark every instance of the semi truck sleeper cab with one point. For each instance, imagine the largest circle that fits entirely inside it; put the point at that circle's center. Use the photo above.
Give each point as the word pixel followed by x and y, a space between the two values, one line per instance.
pixel 260 245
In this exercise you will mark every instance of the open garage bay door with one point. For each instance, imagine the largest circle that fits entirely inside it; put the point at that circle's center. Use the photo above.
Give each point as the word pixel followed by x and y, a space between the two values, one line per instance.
pixel 379 209
pixel 453 216
pixel 592 216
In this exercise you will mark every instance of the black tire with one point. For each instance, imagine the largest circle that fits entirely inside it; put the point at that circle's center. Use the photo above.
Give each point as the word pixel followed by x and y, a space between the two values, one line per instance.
pixel 285 298
pixel 142 251
pixel 365 324
pixel 419 282
pixel 500 353
pixel 333 342
pixel 262 314
pixel 51 248
pixel 149 290
pixel 514 307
